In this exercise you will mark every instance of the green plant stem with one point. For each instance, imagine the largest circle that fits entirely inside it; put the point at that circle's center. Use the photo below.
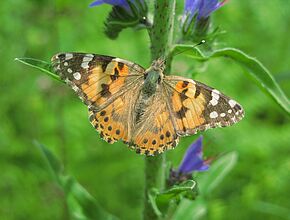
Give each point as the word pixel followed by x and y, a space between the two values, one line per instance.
pixel 161 35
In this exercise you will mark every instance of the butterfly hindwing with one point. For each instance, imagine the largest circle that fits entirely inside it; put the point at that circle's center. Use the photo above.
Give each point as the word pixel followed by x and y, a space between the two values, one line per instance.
pixel 155 131
pixel 115 122
pixel 197 107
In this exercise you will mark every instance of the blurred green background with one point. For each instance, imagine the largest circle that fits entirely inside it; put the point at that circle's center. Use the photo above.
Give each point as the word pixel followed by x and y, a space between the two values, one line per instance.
pixel 35 107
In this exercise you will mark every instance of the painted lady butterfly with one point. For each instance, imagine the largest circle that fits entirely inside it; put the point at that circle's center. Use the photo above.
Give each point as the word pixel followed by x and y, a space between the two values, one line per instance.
pixel 146 109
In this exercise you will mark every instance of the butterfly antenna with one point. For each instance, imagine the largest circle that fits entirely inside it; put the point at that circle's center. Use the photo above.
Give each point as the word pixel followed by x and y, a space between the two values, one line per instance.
pixel 200 43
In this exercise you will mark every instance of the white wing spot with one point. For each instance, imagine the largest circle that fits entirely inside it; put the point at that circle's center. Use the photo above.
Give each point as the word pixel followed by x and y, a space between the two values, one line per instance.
pixel 232 103
pixel 90 55
pixel 65 63
pixel 216 91
pixel 85 65
pixel 68 56
pixel 215 97
pixel 77 75
pixel 230 111
pixel 213 114
pixel 118 60
pixel 75 88
pixel 87 59
pixel 69 70
pixel 223 115
pixel 213 102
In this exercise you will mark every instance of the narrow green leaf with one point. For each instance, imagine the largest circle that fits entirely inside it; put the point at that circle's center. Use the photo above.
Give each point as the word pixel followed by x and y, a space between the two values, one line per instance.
pixel 81 204
pixel 189 210
pixel 217 172
pixel 261 75
pixel 76 194
pixel 272 209
pixel 40 65
pixel 53 163
pixel 152 194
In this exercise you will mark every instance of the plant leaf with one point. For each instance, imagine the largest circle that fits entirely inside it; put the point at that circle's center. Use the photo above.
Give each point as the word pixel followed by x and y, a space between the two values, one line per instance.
pixel 160 200
pixel 80 203
pixel 188 210
pixel 261 75
pixel 272 209
pixel 79 196
pixel 40 65
pixel 217 172
pixel 54 165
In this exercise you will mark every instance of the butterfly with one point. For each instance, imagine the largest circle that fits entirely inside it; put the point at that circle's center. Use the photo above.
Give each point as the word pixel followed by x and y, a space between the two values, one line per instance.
pixel 146 109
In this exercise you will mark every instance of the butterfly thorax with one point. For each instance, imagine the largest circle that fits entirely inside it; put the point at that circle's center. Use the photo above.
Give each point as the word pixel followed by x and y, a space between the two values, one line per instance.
pixel 153 77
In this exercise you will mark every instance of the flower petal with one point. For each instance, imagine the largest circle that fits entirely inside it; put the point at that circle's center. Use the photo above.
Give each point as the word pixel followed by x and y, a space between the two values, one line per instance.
pixel 206 7
pixel 192 159
pixel 121 3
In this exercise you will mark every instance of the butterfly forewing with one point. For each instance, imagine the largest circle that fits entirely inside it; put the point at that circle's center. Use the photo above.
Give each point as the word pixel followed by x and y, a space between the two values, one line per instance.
pixel 97 79
pixel 197 107
pixel 107 85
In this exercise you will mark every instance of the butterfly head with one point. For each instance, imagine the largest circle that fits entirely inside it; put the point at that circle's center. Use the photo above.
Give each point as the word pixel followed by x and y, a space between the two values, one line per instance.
pixel 158 65
pixel 154 73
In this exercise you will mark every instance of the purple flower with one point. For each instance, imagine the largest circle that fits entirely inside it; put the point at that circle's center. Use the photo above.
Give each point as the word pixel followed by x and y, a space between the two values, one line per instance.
pixel 195 19
pixel 203 8
pixel 125 4
pixel 121 3
pixel 192 160
pixel 124 14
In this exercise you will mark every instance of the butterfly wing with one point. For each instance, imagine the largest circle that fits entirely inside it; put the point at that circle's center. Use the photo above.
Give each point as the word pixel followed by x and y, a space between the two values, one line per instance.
pixel 198 107
pixel 155 130
pixel 107 85
pixel 97 79
pixel 115 121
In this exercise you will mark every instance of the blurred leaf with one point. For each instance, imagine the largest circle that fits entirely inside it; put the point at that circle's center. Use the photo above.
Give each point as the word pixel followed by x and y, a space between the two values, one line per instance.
pixel 152 197
pixel 76 194
pixel 40 65
pixel 189 210
pixel 256 70
pixel 160 200
pixel 272 209
pixel 217 172
pixel 54 165
pixel 81 204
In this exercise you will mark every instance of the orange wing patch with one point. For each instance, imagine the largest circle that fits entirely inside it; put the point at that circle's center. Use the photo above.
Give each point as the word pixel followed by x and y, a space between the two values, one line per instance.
pixel 102 82
pixel 115 121
pixel 96 79
pixel 108 122
pixel 155 131
pixel 197 107
pixel 188 105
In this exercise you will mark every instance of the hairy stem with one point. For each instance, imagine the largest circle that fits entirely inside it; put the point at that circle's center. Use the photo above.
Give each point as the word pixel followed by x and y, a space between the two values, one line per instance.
pixel 161 35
